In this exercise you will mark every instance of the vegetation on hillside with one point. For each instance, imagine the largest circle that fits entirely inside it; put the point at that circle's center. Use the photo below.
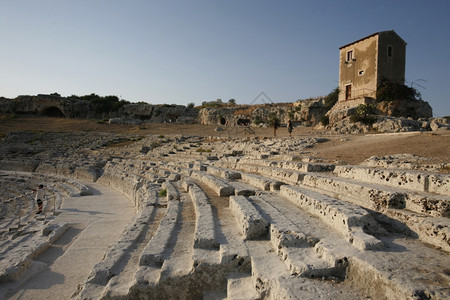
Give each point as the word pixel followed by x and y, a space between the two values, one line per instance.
pixel 389 91
pixel 332 98
pixel 102 104
pixel 365 113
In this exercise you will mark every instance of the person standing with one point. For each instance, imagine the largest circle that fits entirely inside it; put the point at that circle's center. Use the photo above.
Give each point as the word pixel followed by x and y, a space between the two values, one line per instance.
pixel 275 124
pixel 290 127
pixel 40 194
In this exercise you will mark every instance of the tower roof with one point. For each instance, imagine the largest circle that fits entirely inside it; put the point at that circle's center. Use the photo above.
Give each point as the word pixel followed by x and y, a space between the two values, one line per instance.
pixel 369 36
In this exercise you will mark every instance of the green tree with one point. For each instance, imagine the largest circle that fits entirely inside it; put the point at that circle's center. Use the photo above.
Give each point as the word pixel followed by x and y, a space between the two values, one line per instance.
pixel 388 91
pixel 332 98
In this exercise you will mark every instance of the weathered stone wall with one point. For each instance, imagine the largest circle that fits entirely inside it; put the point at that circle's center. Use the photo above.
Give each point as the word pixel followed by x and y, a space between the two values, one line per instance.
pixel 47 105
pixel 57 106
pixel 307 112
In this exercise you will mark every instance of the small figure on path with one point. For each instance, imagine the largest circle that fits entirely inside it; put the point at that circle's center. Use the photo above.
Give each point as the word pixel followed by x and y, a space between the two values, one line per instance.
pixel 40 194
pixel 290 127
pixel 275 124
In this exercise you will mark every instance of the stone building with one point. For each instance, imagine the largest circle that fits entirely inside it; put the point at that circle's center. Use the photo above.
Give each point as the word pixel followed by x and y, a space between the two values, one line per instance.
pixel 364 63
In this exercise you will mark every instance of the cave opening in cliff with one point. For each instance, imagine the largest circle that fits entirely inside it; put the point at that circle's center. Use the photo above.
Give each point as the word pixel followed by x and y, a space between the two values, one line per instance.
pixel 53 112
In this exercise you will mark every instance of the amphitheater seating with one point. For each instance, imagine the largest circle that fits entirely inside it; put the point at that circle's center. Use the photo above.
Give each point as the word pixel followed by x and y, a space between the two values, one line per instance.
pixel 239 220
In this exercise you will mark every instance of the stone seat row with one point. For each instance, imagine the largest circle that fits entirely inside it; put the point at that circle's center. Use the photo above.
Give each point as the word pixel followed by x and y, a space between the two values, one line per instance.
pixel 416 214
pixel 297 250
pixel 313 253
pixel 348 218
pixel 16 256
pixel 21 209
pixel 156 251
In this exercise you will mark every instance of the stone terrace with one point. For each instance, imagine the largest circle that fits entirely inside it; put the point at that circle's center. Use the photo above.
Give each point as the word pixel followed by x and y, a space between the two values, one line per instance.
pixel 231 219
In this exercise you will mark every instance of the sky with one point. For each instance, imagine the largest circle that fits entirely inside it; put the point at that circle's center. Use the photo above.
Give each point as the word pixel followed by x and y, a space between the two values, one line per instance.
pixel 181 52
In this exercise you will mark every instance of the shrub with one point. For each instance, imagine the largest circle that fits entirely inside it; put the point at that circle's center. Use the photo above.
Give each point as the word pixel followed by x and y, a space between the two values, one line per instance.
pixel 203 150
pixel 163 193
pixel 332 98
pixel 190 105
pixel 102 104
pixel 325 120
pixel 364 114
pixel 257 120
pixel 291 114
pixel 388 91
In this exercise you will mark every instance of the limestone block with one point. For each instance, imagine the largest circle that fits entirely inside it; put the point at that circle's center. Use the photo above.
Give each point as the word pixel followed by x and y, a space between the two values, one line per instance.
pixel 258 181
pixel 250 221
pixel 348 219
pixel 439 184
pixel 242 189
pixel 19 165
pixel 224 173
pixel 153 253
pixel 400 179
pixel 204 236
pixel 220 187
pixel 171 192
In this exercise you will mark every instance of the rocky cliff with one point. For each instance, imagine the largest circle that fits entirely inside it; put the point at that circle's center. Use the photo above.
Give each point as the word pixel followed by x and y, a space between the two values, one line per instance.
pixel 56 106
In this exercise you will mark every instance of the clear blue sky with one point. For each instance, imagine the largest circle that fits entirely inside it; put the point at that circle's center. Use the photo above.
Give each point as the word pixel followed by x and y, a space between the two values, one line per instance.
pixel 177 52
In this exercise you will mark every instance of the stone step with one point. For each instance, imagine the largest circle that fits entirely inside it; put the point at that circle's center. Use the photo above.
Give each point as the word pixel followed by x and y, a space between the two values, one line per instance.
pixel 432 230
pixel 350 220
pixel 411 180
pixel 221 188
pixel 250 221
pixel 290 165
pixel 204 237
pixel 241 286
pixel 271 280
pixel 415 219
pixel 295 248
pixel 379 197
pixel 227 174
pixel 17 259
pixel 261 182
pixel 171 192
pixel 157 249
pixel 243 189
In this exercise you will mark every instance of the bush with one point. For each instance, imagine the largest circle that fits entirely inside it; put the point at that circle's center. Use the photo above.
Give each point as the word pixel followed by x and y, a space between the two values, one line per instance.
pixel 332 98
pixel 102 104
pixel 389 91
pixel 163 193
pixel 203 150
pixel 190 105
pixel 257 120
pixel 325 120
pixel 291 115
pixel 365 113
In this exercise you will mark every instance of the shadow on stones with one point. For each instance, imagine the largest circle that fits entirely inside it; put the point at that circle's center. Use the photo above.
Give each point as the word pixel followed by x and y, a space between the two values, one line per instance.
pixel 90 212
pixel 94 191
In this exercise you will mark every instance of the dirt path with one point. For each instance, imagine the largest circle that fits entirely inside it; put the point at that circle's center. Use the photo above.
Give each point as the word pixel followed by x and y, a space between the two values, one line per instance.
pixel 97 222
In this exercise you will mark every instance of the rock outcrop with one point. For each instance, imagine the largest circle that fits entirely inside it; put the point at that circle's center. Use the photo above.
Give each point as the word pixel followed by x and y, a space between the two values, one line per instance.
pixel 54 105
